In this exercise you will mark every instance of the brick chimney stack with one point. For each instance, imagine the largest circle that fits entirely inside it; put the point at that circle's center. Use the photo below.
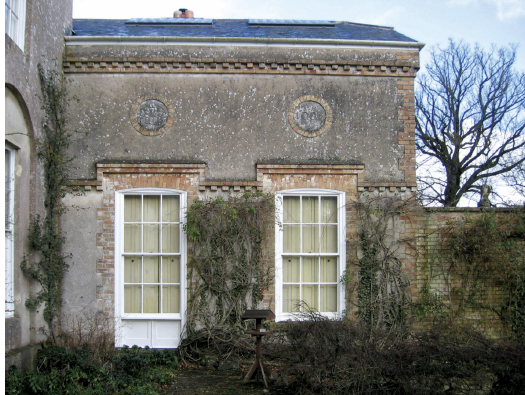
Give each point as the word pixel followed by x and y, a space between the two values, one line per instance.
pixel 183 13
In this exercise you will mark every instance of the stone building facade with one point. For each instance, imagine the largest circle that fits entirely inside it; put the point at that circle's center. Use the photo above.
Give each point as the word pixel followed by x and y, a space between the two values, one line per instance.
pixel 168 111
pixel 172 110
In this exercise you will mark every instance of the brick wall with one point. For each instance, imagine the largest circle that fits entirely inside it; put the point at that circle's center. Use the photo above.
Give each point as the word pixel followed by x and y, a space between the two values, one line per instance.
pixel 448 279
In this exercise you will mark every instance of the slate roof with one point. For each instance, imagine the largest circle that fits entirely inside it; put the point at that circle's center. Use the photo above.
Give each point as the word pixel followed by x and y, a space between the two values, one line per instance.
pixel 236 28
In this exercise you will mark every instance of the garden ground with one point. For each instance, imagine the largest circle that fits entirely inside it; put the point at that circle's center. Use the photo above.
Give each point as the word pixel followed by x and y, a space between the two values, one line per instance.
pixel 198 381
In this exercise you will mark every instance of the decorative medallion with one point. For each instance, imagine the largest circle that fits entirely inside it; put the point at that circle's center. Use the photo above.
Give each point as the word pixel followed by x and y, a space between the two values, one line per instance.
pixel 310 116
pixel 151 115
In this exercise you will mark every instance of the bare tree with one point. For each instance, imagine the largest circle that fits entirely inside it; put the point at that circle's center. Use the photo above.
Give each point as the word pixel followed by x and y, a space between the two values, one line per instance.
pixel 470 120
pixel 516 177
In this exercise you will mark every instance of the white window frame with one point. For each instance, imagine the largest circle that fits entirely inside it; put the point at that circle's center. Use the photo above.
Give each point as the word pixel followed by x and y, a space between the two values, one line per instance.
pixel 15 21
pixel 341 243
pixel 9 234
pixel 119 253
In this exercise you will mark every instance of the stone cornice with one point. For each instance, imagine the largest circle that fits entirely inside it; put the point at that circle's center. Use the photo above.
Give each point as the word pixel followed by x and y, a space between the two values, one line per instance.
pixel 156 40
pixel 400 68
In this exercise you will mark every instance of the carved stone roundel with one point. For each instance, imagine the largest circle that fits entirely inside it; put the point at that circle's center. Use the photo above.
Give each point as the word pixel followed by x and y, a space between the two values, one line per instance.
pixel 310 116
pixel 152 115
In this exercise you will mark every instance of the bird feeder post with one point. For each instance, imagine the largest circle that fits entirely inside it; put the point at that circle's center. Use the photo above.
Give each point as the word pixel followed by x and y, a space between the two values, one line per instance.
pixel 258 369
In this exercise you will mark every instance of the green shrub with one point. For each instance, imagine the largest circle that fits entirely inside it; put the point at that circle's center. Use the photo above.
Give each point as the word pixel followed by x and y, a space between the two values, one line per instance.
pixel 77 370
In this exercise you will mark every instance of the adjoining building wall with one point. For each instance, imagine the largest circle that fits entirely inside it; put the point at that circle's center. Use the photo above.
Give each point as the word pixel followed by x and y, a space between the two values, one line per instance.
pixel 44 25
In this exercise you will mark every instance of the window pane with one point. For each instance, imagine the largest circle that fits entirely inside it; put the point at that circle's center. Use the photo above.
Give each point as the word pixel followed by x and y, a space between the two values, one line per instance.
pixel 132 269
pixel 132 299
pixel 151 269
pixel 170 209
pixel 329 210
pixel 329 269
pixel 328 238
pixel 310 209
pixel 329 298
pixel 170 269
pixel 151 208
pixel 170 299
pixel 291 238
pixel 132 238
pixel 151 238
pixel 311 275
pixel 152 228
pixel 151 299
pixel 291 298
pixel 310 238
pixel 291 208
pixel 291 269
pixel 310 269
pixel 170 238
pixel 132 208
pixel 12 19
pixel 14 28
pixel 311 296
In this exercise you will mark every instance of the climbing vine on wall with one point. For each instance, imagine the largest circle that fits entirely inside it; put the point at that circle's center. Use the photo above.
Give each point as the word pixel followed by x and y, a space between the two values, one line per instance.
pixel 227 269
pixel 481 264
pixel 47 264
pixel 383 298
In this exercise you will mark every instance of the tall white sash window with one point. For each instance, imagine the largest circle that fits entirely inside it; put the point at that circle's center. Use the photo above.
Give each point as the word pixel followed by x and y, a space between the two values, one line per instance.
pixel 311 252
pixel 152 255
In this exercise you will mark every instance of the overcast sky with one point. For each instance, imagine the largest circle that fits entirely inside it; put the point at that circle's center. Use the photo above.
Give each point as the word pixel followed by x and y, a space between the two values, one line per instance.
pixel 429 21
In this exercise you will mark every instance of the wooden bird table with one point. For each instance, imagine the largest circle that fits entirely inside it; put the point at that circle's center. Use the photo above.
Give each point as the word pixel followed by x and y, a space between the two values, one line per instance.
pixel 258 369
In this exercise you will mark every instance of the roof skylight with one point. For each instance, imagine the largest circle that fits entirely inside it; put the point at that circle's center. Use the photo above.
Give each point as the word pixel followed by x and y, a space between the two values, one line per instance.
pixel 289 22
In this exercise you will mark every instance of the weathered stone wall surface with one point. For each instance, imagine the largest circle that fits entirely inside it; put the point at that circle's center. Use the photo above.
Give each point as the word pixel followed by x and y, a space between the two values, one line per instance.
pixel 165 51
pixel 230 107
pixel 81 228
pixel 234 122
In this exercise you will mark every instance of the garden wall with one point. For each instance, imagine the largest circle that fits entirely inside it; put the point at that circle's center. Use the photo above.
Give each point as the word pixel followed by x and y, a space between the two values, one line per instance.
pixel 471 265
